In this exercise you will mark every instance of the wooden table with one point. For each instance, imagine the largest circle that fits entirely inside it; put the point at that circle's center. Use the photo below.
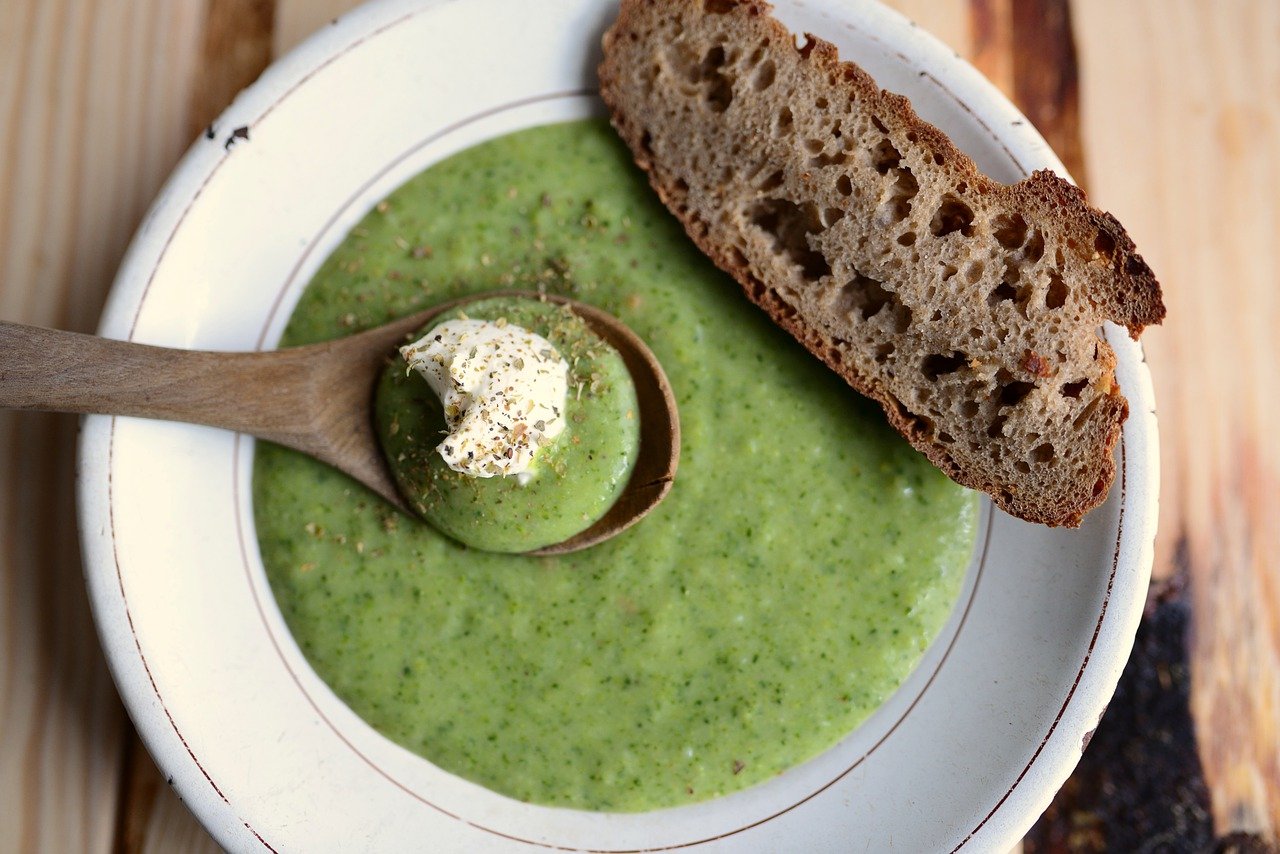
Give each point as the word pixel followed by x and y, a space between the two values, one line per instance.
pixel 1168 111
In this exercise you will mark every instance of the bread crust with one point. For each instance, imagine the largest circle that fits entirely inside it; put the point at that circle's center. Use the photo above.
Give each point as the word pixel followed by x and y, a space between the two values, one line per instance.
pixel 1112 281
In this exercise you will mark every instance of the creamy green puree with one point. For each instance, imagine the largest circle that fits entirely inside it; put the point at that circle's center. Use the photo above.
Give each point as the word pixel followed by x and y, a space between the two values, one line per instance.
pixel 789 582
pixel 572 482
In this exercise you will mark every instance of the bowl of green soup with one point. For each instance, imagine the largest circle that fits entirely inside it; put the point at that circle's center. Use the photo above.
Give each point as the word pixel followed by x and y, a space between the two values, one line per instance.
pixel 815 642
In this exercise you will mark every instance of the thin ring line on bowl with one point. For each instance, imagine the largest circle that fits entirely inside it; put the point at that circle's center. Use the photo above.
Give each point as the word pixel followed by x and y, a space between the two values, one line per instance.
pixel 164 250
pixel 1097 629
pixel 115 552
pixel 285 287
pixel 269 108
pixel 236 488
pixel 1115 559
pixel 390 165
pixel 236 492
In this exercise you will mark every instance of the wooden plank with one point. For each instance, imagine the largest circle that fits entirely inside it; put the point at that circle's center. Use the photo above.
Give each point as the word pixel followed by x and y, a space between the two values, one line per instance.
pixel 297 19
pixel 92 100
pixel 1026 49
pixel 1045 77
pixel 1181 127
pixel 235 47
pixel 152 820
pixel 991 38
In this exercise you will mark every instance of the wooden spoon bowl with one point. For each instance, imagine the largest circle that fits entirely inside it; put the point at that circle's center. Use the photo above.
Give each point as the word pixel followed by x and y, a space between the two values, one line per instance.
pixel 316 399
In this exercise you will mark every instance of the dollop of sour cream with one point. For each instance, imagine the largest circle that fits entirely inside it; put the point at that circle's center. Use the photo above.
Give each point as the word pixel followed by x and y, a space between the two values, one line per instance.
pixel 503 389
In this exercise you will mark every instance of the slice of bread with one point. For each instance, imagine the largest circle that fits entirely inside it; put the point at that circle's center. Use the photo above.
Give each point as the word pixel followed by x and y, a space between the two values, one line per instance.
pixel 969 309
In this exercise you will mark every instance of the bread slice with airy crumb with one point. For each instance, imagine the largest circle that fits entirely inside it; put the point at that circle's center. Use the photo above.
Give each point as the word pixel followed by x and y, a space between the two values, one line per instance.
pixel 969 309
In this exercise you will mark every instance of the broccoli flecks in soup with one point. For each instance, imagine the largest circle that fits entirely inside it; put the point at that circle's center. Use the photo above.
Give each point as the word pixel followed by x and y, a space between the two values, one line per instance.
pixel 803 561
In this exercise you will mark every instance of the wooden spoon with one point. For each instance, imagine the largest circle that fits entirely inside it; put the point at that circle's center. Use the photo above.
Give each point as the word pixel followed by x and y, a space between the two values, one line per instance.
pixel 316 399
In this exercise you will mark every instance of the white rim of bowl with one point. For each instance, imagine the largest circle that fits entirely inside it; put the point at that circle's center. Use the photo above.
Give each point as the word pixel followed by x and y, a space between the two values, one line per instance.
pixel 1076 717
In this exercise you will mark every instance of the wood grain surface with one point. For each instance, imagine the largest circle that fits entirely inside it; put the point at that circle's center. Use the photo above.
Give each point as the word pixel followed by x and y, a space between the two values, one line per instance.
pixel 1168 111
pixel 1182 137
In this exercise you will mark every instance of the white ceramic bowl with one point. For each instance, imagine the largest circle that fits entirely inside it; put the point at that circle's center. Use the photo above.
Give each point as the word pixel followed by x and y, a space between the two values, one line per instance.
pixel 965 755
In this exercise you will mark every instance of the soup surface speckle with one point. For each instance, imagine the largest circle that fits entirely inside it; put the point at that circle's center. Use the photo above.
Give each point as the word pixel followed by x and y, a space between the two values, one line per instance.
pixel 800 566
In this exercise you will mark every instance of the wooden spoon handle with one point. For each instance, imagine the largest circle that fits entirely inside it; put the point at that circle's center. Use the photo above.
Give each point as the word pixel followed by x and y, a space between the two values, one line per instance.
pixel 69 372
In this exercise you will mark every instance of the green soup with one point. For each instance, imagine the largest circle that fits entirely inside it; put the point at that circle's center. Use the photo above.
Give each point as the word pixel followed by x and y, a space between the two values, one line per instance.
pixel 800 566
